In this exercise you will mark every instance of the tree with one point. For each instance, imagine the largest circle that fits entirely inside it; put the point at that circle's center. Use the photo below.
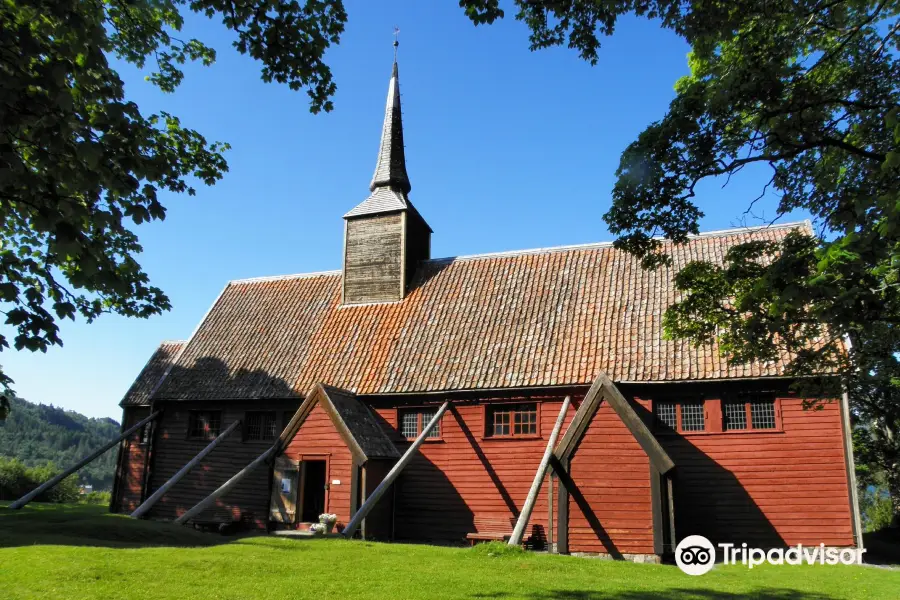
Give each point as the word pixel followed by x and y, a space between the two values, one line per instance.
pixel 80 165
pixel 811 90
pixel 37 434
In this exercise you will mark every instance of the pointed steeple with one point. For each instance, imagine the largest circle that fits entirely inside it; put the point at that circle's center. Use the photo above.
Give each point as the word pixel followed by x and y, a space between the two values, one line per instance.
pixel 390 183
pixel 390 170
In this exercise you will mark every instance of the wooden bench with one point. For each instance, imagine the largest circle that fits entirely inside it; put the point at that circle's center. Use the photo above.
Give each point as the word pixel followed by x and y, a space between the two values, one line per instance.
pixel 491 528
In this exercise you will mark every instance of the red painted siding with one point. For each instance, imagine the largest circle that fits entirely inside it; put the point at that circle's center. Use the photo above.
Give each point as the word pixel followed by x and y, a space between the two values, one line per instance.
pixel 465 474
pixel 317 439
pixel 612 473
pixel 174 449
pixel 131 463
pixel 763 488
pixel 766 488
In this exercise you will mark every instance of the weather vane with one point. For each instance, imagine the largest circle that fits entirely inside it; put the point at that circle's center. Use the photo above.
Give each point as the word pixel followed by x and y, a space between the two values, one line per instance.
pixel 396 41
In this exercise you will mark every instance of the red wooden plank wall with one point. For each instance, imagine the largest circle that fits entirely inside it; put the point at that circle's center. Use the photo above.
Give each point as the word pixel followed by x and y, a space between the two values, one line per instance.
pixel 765 488
pixel 174 449
pixel 465 474
pixel 612 473
pixel 131 464
pixel 317 439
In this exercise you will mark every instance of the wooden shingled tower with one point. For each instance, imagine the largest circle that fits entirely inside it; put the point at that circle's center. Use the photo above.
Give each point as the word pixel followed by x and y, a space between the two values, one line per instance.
pixel 385 236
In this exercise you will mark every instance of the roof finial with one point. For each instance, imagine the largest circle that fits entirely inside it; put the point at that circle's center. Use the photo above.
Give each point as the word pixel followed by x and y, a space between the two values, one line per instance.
pixel 396 41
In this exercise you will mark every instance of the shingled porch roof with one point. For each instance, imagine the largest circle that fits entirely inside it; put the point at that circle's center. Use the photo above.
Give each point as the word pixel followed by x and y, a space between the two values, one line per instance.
pixel 536 318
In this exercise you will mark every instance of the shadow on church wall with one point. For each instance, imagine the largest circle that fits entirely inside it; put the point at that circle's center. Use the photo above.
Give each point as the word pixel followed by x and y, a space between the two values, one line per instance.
pixel 230 394
pixel 709 499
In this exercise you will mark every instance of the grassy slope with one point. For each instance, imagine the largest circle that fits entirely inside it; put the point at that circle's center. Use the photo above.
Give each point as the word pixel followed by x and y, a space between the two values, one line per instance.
pixel 80 552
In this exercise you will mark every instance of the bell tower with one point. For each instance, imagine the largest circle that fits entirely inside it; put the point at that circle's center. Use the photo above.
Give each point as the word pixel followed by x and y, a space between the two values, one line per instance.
pixel 385 236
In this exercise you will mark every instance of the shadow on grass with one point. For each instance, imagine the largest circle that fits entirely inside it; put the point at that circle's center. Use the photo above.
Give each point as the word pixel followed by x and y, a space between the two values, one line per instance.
pixel 668 594
pixel 84 525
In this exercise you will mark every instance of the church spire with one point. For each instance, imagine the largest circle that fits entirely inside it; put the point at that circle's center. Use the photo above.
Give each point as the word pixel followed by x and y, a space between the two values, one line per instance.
pixel 385 237
pixel 390 170
pixel 390 184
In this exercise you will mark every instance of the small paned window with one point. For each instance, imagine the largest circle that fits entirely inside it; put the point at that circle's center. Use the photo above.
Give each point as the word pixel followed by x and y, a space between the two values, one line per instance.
pixel 750 411
pixel 413 421
pixel 666 415
pixel 692 417
pixel 762 413
pixel 204 424
pixel 501 422
pixel 409 425
pixel 512 420
pixel 259 426
pixel 735 415
pixel 683 416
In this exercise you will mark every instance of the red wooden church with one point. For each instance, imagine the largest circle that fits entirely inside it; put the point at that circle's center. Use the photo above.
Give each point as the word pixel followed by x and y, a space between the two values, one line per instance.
pixel 345 368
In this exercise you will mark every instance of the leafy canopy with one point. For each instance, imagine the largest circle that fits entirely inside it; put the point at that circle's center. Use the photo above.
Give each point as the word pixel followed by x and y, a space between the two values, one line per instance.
pixel 81 165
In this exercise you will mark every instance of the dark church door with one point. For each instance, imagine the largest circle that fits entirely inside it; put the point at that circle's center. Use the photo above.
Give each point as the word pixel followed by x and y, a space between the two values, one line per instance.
pixel 313 490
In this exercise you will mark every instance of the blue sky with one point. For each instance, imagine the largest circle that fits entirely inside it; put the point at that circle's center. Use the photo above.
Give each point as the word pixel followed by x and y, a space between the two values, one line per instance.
pixel 506 149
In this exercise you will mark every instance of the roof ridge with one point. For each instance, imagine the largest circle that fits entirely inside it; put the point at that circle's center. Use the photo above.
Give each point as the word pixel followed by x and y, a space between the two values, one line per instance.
pixel 283 277
pixel 563 248
pixel 173 342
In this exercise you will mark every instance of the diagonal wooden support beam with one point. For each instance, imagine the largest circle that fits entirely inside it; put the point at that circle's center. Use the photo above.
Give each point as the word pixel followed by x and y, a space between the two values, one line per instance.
pixel 93 456
pixel 372 500
pixel 141 510
pixel 519 530
pixel 225 487
pixel 277 448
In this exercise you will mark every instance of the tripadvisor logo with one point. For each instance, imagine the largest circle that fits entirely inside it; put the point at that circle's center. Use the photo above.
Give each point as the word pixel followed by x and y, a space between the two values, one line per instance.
pixel 696 555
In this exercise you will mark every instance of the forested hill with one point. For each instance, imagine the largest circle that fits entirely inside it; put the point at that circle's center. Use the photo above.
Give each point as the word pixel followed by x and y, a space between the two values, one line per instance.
pixel 38 433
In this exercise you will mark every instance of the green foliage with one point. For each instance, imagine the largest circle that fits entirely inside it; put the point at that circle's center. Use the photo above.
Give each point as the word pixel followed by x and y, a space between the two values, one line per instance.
pixel 877 454
pixel 37 434
pixel 81 165
pixel 497 549
pixel 875 508
pixel 98 498
pixel 16 480
pixel 809 90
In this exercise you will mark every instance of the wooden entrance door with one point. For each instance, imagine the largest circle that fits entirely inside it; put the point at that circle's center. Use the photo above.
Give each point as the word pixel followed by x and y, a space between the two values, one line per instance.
pixel 315 473
pixel 285 486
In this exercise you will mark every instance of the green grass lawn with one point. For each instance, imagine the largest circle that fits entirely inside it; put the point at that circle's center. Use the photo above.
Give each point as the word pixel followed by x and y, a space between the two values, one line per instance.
pixel 83 552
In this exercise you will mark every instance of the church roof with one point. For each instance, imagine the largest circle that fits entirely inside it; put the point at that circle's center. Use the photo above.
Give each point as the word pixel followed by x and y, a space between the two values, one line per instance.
pixel 383 199
pixel 536 318
pixel 152 374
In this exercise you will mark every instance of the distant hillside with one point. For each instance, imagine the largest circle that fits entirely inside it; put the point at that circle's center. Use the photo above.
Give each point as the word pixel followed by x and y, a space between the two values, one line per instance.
pixel 38 433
